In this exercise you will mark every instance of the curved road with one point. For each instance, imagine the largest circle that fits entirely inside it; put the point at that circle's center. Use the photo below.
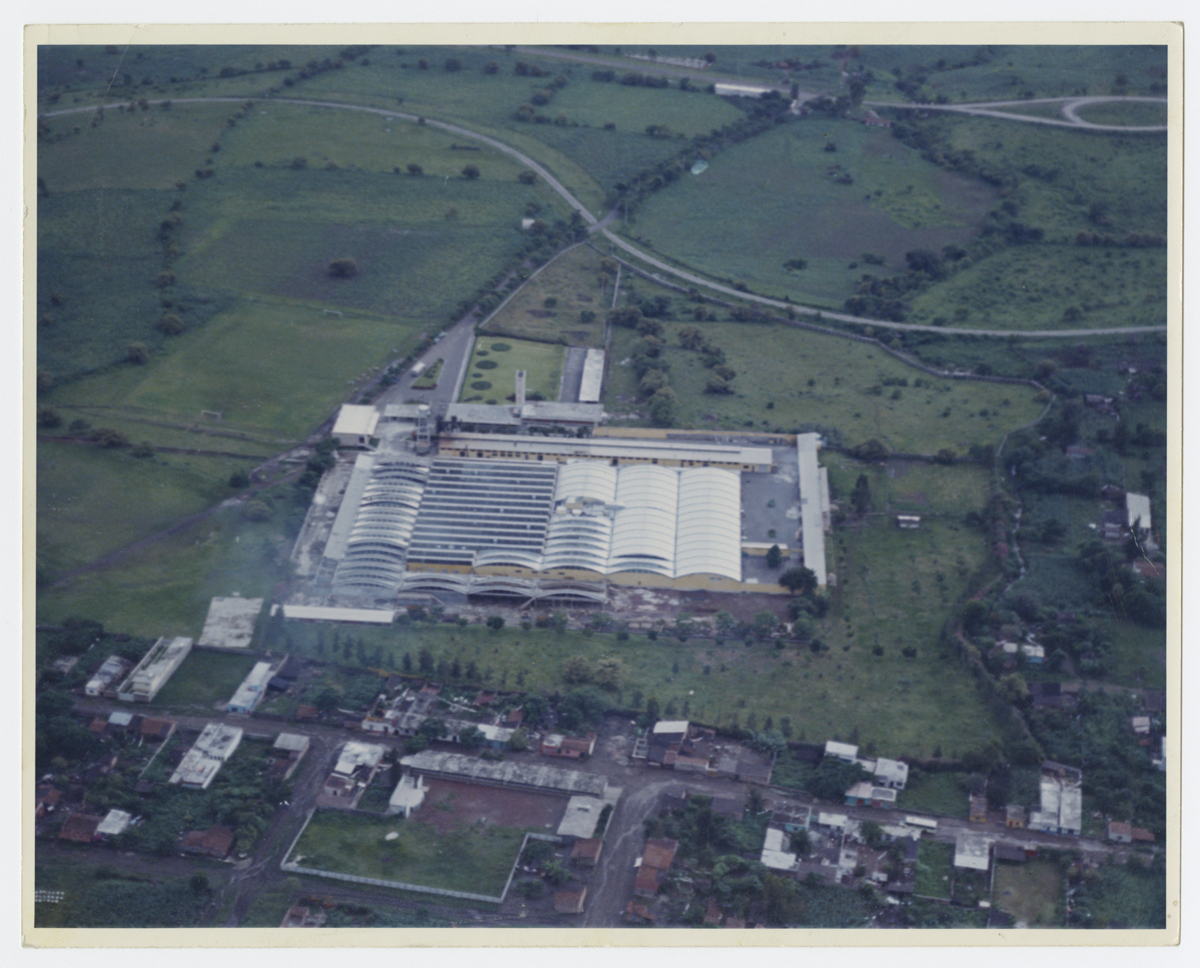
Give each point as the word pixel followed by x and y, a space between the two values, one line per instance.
pixel 1070 111
pixel 599 226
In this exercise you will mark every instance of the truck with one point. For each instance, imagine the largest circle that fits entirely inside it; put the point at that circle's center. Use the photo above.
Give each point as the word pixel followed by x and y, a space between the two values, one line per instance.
pixel 418 369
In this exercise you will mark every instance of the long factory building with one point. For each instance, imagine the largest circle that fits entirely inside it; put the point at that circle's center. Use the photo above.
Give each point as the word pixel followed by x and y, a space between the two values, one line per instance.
pixel 544 517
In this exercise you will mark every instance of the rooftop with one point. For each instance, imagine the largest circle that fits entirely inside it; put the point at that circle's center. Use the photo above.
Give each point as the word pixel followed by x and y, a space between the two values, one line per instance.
pixel 971 851
pixel 218 740
pixel 525 774
pixel 356 420
pixel 581 817
pixel 230 622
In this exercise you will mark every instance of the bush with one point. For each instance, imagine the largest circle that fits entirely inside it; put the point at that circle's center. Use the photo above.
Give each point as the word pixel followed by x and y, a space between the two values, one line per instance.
pixel 343 268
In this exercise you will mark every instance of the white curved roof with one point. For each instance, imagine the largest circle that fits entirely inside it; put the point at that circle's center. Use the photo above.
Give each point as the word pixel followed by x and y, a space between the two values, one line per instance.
pixel 708 530
pixel 586 480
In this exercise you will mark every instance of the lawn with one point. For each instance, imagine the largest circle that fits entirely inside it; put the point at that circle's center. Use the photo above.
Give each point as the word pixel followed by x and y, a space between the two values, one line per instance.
pixel 491 378
pixel 789 379
pixel 573 280
pixel 935 867
pixel 1129 112
pixel 775 198
pixel 206 679
pixel 476 859
pixel 1031 892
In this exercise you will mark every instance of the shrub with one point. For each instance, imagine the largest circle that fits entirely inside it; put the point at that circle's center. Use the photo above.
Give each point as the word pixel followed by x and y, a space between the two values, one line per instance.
pixel 171 325
pixel 343 268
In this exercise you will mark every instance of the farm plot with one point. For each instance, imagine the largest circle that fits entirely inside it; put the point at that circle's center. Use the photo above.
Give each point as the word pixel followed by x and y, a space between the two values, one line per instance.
pixel 1031 892
pixel 474 858
pixel 576 315
pixel 789 379
pixel 491 377
pixel 784 197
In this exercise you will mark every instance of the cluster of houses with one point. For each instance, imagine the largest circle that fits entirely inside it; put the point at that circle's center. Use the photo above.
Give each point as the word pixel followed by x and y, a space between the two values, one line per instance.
pixel 1059 809
pixel 686 748
pixel 356 767
pixel 888 777
pixel 408 709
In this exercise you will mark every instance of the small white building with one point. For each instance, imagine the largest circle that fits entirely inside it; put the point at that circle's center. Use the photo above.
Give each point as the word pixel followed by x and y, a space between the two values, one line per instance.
pixel 212 749
pixel 218 741
pixel 156 667
pixel 355 425
pixel 741 90
pixel 355 755
pixel 972 851
pixel 1137 507
pixel 115 822
pixel 775 853
pixel 408 795
pixel 842 751
pixel 250 693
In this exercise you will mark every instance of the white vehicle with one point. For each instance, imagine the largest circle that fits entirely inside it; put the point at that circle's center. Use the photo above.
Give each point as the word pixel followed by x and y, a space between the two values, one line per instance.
pixel 418 369
pixel 922 823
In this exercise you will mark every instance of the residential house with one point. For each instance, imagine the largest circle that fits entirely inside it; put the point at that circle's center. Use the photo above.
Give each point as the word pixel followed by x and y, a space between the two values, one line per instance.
pixel 112 670
pixel 655 861
pixel 866 794
pixel 408 795
pixel 979 809
pixel 80 827
pixel 1120 833
pixel 1009 853
pixel 215 842
pixel 212 749
pixel 971 851
pixel 156 730
pixel 1014 816
pixel 250 693
pixel 570 900
pixel 775 852
pixel 842 751
pixel 586 852
pixel 115 822
pixel 664 741
pixel 157 666
pixel 572 747
pixel 286 754
pixel 356 767
pixel 891 773
pixel 1061 804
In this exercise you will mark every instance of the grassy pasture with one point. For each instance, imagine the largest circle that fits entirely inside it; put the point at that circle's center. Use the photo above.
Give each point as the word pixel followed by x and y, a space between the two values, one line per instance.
pixel 1034 287
pixel 130 150
pixel 205 679
pixel 938 793
pixel 775 364
pixel 774 199
pixel 935 868
pixel 572 279
pixel 542 363
pixel 87 506
pixel 1031 892
pixel 94 902
pixel 1125 112
pixel 475 859
pixel 166 588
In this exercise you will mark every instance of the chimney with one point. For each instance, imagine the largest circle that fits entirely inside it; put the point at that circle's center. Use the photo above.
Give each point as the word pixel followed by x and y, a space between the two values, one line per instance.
pixel 520 398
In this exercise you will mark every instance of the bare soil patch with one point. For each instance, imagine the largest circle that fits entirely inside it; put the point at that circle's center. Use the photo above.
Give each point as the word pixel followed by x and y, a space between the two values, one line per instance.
pixel 450 806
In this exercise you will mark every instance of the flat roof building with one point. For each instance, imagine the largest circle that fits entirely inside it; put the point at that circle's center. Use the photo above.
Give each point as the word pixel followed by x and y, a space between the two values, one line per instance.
pixel 842 751
pixel 156 667
pixel 814 504
pixel 592 381
pixel 115 822
pixel 1137 507
pixel 212 749
pixel 250 693
pixel 355 425
pixel 581 817
pixel 971 851
pixel 357 616
pixel 531 776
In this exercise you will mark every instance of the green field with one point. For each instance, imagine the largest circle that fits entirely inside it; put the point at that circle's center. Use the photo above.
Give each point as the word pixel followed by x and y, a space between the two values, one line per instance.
pixel 166 587
pixel 776 363
pixel 939 793
pixel 1031 892
pixel 542 363
pixel 774 198
pixel 1129 112
pixel 573 280
pixel 96 897
pixel 206 679
pixel 935 868
pixel 476 859
pixel 87 508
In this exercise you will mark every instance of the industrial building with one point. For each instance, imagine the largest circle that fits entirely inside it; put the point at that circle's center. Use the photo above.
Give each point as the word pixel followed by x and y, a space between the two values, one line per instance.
pixel 212 749
pixel 543 517
pixel 156 667
pixel 542 779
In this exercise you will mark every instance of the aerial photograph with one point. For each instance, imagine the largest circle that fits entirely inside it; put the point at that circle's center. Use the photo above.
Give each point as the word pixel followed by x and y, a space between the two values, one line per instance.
pixel 601 486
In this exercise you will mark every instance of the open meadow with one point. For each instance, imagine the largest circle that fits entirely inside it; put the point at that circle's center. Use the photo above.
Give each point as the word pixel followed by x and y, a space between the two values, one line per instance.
pixel 789 379
pixel 788 195
pixel 1031 892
